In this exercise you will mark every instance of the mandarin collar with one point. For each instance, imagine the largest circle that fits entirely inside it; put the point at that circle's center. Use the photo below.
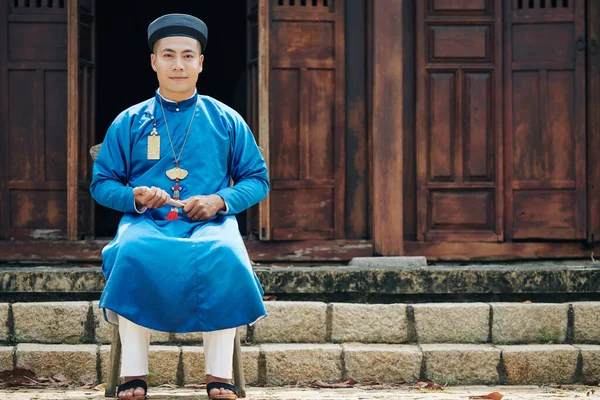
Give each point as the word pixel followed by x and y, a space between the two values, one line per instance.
pixel 176 106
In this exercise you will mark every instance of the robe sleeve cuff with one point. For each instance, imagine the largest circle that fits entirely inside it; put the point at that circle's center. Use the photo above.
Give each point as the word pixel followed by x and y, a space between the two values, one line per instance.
pixel 226 210
pixel 139 210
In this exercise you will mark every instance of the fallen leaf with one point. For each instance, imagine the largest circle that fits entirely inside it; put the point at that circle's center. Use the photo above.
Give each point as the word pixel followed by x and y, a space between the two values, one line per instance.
pixel 493 396
pixel 348 383
pixel 18 377
pixel 428 385
pixel 100 388
pixel 269 298
pixel 60 378
pixel 527 302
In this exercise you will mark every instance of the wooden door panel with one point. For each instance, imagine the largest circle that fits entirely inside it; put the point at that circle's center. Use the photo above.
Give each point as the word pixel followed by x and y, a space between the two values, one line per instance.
pixel 33 82
pixel 459 146
pixel 307 119
pixel 285 161
pixel 442 117
pixel 545 120
pixel 478 130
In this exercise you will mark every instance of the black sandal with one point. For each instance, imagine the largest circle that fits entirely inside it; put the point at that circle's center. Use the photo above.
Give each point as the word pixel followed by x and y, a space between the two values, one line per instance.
pixel 222 385
pixel 134 384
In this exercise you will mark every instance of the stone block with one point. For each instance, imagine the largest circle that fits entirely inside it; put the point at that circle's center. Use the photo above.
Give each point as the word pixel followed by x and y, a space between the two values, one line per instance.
pixel 302 363
pixel 6 358
pixel 76 362
pixel 196 337
pixel 51 322
pixel 163 362
pixel 590 355
pixel 292 322
pixel 4 322
pixel 369 323
pixel 586 318
pixel 539 364
pixel 193 364
pixel 452 322
pixel 388 262
pixel 250 360
pixel 463 364
pixel 515 323
pixel 104 329
pixel 382 363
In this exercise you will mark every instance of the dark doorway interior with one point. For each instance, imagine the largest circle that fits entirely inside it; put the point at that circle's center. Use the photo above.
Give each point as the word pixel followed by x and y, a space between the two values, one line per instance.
pixel 125 77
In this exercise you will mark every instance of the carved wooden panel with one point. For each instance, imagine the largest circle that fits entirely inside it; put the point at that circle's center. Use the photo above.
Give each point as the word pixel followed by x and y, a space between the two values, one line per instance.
pixel 307 117
pixel 545 130
pixel 459 120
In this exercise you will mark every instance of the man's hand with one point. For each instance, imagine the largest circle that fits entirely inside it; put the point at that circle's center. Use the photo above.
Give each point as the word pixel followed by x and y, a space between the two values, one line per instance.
pixel 201 208
pixel 150 197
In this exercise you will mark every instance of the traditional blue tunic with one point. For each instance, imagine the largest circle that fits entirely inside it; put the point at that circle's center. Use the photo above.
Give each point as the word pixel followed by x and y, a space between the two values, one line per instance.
pixel 180 275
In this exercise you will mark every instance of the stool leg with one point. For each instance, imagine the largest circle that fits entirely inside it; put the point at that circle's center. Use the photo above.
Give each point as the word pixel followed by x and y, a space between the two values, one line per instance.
pixel 115 361
pixel 238 366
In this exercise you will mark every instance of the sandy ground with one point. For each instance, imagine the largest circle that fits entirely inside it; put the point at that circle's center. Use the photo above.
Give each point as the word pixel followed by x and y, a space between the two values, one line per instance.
pixel 455 393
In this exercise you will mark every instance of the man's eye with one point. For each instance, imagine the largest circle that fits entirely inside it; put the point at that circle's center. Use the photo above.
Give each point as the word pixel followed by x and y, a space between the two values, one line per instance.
pixel 167 56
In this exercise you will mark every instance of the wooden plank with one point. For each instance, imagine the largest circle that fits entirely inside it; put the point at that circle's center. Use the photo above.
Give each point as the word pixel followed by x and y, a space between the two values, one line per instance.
pixel 580 127
pixel 356 212
pixel 508 122
pixel 409 173
pixel 73 116
pixel 593 115
pixel 339 121
pixel 387 127
pixel 481 251
pixel 4 195
pixel 264 23
pixel 262 251
pixel 421 141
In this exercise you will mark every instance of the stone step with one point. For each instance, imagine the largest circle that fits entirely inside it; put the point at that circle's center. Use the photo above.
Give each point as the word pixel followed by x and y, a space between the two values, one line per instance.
pixel 362 283
pixel 290 364
pixel 318 322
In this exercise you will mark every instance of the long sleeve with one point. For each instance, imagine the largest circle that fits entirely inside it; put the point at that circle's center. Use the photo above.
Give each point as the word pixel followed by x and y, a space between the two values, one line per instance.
pixel 248 169
pixel 110 178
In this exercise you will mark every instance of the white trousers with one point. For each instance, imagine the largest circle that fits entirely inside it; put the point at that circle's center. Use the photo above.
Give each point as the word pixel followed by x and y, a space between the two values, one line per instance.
pixel 135 343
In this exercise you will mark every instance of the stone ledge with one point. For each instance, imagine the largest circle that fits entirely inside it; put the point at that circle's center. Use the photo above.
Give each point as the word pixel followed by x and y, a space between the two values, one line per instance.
pixel 282 364
pixel 438 279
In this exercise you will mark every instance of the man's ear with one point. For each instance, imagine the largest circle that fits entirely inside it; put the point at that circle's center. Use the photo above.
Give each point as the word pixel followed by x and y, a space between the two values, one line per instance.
pixel 153 61
pixel 201 60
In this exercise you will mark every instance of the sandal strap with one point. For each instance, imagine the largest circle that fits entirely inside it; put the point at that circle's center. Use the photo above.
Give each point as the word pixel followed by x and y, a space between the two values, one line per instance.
pixel 221 385
pixel 134 384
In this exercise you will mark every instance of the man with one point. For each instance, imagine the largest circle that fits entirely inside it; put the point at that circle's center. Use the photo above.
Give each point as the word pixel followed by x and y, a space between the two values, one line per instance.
pixel 178 262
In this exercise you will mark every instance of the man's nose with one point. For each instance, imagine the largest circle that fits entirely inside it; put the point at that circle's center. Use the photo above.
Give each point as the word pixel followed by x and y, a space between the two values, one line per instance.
pixel 178 63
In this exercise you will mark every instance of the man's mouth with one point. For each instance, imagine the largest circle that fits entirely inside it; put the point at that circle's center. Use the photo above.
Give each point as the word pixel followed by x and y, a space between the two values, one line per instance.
pixel 178 78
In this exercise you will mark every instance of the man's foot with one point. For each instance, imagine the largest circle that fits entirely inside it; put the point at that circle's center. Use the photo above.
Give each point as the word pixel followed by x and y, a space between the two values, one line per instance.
pixel 134 392
pixel 219 391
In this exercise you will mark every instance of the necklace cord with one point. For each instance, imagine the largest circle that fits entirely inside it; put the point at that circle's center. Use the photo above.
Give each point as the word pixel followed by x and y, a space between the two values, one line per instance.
pixel 177 158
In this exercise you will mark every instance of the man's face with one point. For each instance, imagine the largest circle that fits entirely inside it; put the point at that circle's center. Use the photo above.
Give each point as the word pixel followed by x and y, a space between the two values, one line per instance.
pixel 177 62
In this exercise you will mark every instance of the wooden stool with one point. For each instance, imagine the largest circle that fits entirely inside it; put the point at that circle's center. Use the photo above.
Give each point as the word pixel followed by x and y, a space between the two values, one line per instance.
pixel 115 347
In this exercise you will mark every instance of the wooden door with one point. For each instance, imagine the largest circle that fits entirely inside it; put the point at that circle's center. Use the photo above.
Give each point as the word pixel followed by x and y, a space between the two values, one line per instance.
pixel 257 101
pixel 306 119
pixel 33 126
pixel 545 119
pixel 459 120
pixel 81 113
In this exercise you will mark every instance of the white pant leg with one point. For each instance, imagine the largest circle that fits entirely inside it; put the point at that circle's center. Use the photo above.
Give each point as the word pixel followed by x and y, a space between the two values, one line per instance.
pixel 218 353
pixel 135 344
